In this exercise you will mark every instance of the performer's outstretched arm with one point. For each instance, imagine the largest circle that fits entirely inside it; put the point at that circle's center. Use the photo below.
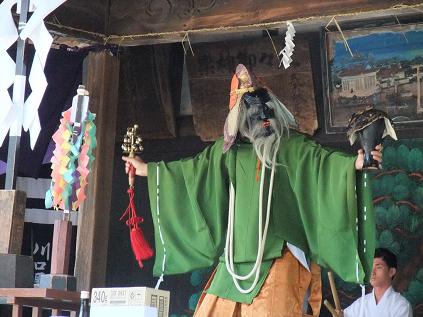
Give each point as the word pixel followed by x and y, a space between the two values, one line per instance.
pixel 141 167
pixel 188 202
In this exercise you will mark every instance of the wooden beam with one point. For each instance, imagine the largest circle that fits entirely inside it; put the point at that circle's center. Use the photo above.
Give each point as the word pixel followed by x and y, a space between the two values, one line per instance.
pixel 93 218
pixel 89 16
pixel 179 16
pixel 144 23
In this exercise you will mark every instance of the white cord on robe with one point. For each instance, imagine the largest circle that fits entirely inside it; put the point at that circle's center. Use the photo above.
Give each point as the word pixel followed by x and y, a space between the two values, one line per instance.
pixel 160 280
pixel 229 261
pixel 363 288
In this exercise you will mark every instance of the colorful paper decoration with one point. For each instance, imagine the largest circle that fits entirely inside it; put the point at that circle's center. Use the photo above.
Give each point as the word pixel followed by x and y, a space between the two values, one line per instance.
pixel 71 163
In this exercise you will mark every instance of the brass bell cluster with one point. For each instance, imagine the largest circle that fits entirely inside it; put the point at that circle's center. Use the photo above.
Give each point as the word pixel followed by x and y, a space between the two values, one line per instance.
pixel 132 141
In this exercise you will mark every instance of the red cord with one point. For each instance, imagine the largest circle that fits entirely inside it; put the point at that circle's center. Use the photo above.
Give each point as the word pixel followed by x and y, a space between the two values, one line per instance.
pixel 139 244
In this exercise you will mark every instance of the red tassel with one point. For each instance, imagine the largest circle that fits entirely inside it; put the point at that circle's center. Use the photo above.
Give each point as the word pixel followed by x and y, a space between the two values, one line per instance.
pixel 139 244
pixel 140 247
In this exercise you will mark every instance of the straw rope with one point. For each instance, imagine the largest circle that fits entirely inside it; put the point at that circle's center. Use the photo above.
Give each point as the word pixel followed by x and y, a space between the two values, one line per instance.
pixel 265 25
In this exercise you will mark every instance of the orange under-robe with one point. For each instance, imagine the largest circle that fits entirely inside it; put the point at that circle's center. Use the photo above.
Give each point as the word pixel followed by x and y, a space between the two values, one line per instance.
pixel 282 294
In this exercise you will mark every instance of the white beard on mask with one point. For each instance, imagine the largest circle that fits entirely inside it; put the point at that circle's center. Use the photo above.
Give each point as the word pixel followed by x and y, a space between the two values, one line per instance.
pixel 266 144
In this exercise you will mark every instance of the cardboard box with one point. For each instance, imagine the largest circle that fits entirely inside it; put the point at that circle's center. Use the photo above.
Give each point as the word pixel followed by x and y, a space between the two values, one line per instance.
pixel 130 296
pixel 126 311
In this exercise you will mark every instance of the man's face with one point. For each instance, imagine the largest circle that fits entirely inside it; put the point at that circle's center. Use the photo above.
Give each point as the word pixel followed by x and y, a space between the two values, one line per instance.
pixel 381 274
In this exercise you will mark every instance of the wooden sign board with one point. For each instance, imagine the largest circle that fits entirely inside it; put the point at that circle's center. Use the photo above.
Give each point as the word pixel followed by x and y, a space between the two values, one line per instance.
pixel 211 68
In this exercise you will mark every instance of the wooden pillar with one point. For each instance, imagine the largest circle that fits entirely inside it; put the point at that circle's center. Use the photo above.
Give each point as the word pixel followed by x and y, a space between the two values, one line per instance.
pixel 93 218
pixel 62 237
pixel 12 215
pixel 15 270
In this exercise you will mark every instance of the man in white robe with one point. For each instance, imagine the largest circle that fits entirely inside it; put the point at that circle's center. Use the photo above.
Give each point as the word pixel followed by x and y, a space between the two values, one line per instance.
pixel 383 301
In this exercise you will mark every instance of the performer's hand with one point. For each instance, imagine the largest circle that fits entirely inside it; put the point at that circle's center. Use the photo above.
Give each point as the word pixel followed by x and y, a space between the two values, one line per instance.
pixel 376 153
pixel 139 165
pixel 340 312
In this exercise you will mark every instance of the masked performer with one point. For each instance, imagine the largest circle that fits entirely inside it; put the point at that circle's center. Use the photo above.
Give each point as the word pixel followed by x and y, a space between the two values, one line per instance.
pixel 267 204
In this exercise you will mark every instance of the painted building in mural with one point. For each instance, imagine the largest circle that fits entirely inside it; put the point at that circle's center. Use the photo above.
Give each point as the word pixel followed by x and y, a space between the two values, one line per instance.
pixel 358 81
pixel 394 88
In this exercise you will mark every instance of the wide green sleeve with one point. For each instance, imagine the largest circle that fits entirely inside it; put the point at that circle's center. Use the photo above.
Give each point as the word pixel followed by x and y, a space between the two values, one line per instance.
pixel 187 210
pixel 330 204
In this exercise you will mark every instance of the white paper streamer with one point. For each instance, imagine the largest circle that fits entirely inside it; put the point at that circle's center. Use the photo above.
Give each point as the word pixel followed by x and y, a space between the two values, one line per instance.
pixel 288 50
pixel 42 40
pixel 8 36
pixel 18 105
pixel 42 9
pixel 8 117
pixel 13 117
pixel 38 82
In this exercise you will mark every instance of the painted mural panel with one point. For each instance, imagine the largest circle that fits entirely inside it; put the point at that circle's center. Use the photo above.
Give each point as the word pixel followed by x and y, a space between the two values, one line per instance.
pixel 380 67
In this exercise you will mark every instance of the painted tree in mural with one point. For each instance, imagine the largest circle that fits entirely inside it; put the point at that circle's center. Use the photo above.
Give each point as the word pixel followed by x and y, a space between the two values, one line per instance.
pixel 398 199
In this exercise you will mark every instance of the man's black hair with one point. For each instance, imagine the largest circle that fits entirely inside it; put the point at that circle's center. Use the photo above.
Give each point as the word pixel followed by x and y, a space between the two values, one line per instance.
pixel 387 256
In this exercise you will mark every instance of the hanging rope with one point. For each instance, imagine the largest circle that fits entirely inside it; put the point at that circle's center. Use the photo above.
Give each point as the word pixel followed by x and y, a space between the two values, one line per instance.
pixel 347 46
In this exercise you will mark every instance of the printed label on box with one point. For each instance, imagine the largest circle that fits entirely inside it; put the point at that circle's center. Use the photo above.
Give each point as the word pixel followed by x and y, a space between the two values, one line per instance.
pixel 132 296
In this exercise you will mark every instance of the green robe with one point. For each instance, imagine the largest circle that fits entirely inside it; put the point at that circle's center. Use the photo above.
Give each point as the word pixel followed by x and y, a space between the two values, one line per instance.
pixel 314 207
